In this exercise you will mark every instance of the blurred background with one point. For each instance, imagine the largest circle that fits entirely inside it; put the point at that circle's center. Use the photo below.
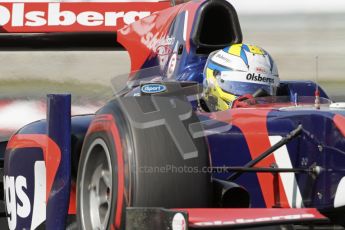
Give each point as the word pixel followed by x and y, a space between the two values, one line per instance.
pixel 294 32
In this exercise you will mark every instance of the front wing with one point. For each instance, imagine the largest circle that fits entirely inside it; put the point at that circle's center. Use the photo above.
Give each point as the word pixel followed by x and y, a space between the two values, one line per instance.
pixel 218 218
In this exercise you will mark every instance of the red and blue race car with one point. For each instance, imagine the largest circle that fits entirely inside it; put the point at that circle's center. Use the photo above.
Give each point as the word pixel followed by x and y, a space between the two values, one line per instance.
pixel 154 157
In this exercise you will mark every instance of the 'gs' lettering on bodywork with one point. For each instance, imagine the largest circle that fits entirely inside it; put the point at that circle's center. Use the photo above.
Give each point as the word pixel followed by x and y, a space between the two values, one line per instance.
pixel 26 210
pixel 17 201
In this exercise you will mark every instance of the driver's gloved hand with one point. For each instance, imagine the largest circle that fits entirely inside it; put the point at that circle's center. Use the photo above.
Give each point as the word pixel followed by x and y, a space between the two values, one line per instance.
pixel 243 101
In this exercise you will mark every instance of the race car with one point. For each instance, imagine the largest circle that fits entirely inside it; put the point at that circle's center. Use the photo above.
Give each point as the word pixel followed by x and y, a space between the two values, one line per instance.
pixel 155 157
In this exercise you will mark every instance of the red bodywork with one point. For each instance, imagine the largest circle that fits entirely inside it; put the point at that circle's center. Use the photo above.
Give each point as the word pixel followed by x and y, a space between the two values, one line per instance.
pixel 45 17
pixel 145 35
pixel 199 218
pixel 47 145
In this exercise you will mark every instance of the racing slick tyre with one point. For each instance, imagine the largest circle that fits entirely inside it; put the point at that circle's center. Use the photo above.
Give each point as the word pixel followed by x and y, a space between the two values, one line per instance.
pixel 124 164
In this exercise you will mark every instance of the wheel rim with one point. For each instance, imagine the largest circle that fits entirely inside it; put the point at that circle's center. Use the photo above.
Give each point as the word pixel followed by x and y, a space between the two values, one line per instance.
pixel 96 187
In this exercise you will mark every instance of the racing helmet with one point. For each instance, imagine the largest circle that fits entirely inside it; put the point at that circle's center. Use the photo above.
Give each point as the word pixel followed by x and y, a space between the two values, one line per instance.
pixel 235 71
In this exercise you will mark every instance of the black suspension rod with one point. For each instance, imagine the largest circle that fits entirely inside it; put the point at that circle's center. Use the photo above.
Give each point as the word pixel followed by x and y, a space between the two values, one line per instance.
pixel 293 134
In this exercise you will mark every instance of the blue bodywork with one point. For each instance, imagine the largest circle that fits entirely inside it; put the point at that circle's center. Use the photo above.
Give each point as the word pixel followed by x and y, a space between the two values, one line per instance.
pixel 320 144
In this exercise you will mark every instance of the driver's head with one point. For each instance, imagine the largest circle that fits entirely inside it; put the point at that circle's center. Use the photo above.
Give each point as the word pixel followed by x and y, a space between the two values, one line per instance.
pixel 235 71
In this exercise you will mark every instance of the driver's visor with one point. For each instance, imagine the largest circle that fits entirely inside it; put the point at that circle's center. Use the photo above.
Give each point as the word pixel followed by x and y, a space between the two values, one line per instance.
pixel 240 83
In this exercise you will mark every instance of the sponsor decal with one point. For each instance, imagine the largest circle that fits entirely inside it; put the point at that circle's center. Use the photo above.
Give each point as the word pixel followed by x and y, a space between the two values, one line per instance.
pixel 222 57
pixel 25 198
pixel 339 199
pixel 261 70
pixel 179 222
pixel 233 62
pixel 153 41
pixel 172 65
pixel 49 16
pixel 160 46
pixel 257 220
pixel 236 76
pixel 17 200
pixel 153 88
pixel 163 50
pixel 259 78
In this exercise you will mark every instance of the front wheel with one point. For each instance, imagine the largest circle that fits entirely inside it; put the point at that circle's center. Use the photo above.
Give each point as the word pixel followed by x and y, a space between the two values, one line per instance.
pixel 96 193
pixel 121 166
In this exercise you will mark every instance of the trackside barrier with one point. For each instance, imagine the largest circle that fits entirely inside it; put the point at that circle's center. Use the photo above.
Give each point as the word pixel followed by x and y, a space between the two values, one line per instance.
pixel 59 130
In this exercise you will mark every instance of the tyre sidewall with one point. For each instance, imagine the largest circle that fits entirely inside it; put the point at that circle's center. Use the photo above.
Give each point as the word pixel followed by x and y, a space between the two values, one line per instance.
pixel 89 140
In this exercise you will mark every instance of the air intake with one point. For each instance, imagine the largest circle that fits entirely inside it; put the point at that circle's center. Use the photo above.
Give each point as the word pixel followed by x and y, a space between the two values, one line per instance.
pixel 216 26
